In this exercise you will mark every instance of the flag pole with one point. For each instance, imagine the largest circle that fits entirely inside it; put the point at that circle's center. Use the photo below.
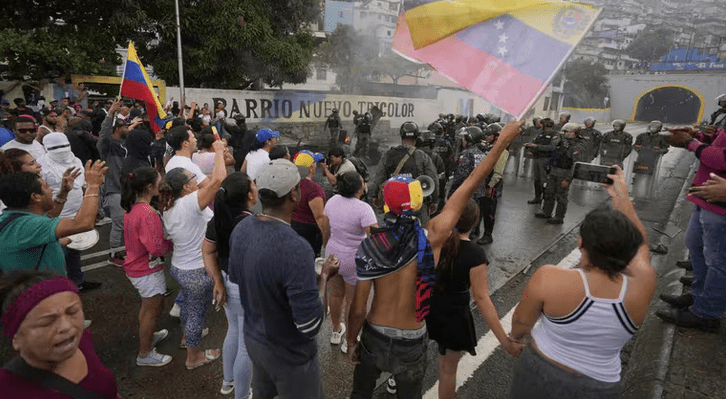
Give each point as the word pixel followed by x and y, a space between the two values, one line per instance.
pixel 179 55
pixel 123 74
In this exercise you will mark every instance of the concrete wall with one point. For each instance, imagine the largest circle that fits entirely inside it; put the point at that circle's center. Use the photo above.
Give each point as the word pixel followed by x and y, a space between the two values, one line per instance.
pixel 626 90
pixel 579 114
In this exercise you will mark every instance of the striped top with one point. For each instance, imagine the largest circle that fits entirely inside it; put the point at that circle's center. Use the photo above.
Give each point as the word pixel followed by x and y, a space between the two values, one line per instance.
pixel 589 339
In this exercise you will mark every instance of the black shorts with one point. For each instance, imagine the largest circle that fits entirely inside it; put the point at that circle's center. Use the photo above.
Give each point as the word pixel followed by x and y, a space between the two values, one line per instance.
pixel 273 377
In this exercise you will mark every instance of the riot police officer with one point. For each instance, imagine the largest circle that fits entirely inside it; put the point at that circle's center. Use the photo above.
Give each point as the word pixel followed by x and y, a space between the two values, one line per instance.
pixel 616 145
pixel 650 146
pixel 405 159
pixel 568 151
pixel 591 137
pixel 362 145
pixel 427 143
pixel 333 123
pixel 542 147
pixel 718 118
pixel 564 118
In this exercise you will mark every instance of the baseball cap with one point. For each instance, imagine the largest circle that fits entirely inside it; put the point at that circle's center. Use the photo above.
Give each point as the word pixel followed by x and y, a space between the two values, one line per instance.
pixel 306 158
pixel 266 134
pixel 55 100
pixel 402 193
pixel 5 102
pixel 279 175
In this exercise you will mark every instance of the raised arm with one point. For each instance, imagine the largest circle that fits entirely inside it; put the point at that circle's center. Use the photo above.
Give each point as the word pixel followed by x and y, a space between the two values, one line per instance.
pixel 209 191
pixel 440 227
pixel 85 219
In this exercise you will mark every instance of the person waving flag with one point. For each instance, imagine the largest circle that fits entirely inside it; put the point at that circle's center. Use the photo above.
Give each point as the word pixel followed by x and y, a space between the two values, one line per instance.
pixel 137 85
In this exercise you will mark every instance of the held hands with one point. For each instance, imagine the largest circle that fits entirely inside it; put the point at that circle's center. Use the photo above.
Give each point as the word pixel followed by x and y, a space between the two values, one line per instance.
pixel 331 266
pixel 712 190
pixel 513 346
pixel 617 190
pixel 95 172
pixel 69 177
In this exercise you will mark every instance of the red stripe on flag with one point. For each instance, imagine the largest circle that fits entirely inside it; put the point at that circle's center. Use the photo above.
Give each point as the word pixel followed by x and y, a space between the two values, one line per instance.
pixel 481 73
pixel 140 91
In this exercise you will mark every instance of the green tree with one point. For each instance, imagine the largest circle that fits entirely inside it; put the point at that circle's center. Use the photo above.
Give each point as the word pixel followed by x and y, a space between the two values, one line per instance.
pixel 651 44
pixel 234 43
pixel 585 84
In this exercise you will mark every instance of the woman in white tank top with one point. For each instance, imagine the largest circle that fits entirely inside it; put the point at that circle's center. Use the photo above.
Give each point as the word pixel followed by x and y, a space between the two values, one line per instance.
pixel 588 314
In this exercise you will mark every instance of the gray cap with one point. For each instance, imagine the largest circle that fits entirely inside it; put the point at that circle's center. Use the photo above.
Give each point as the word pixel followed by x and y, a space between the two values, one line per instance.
pixel 279 175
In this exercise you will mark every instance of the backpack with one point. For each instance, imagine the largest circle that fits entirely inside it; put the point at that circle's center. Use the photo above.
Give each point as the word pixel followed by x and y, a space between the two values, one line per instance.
pixel 360 167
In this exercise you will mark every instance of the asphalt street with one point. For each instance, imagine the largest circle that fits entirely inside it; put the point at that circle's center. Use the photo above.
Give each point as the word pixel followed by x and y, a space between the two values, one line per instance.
pixel 521 244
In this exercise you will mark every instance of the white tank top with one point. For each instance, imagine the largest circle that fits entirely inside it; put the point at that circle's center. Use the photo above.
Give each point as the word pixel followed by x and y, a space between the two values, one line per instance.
pixel 589 339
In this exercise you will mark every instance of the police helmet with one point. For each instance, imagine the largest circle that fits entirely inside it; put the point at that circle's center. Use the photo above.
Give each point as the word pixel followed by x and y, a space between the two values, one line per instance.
pixel 491 118
pixel 239 118
pixel 409 130
pixel 450 117
pixel 536 119
pixel 472 120
pixel 571 127
pixel 426 137
pixel 655 126
pixel 547 122
pixel 459 118
pixel 494 128
pixel 721 100
pixel 369 117
pixel 335 110
pixel 355 112
pixel 472 134
pixel 442 116
pixel 618 124
pixel 480 117
pixel 588 120
pixel 436 128
pixel 565 115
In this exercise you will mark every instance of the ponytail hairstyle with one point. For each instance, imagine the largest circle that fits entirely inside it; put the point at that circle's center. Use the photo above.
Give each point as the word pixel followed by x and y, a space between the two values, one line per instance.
pixel 171 188
pixel 231 200
pixel 10 160
pixel 450 251
pixel 135 184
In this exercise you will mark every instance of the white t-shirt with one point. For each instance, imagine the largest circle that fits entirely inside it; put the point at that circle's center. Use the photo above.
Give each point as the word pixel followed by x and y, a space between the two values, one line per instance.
pixel 255 160
pixel 75 196
pixel 178 161
pixel 35 148
pixel 186 225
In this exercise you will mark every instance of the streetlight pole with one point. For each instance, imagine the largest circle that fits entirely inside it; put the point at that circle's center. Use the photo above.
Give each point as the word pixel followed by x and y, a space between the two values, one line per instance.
pixel 179 55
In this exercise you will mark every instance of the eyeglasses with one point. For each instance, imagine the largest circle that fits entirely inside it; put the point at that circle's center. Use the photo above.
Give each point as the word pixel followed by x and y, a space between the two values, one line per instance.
pixel 194 176
pixel 31 130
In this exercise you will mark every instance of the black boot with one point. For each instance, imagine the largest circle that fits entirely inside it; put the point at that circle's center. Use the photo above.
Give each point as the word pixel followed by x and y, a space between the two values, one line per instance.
pixel 684 264
pixel 678 301
pixel 546 210
pixel 485 239
pixel 685 318
pixel 537 193
pixel 686 279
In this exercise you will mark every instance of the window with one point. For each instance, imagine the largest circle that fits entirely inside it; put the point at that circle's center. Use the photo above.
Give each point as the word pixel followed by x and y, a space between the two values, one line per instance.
pixel 321 73
pixel 393 6
pixel 555 101
pixel 389 33
pixel 340 14
pixel 546 103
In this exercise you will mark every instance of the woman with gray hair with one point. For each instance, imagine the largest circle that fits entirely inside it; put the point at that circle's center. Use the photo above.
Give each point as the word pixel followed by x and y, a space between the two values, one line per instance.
pixel 185 215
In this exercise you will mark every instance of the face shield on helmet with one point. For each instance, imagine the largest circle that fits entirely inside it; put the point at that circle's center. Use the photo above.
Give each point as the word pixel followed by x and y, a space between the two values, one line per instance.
pixel 618 124
pixel 589 121
pixel 655 127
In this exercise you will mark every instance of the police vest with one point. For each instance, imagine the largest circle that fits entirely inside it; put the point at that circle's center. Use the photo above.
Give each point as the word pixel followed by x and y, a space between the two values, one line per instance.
pixel 364 127
pixel 332 122
pixel 562 157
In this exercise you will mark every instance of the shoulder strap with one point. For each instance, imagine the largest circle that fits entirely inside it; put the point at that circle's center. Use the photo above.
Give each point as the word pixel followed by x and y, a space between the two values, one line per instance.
pixel 19 367
pixel 403 160
pixel 9 219
pixel 584 282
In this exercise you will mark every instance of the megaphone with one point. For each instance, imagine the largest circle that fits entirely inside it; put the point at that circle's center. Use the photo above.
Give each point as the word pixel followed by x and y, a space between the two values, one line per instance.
pixel 427 185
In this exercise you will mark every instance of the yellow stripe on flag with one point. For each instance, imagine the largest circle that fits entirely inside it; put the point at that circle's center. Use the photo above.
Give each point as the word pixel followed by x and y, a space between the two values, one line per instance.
pixel 432 22
pixel 563 21
pixel 133 57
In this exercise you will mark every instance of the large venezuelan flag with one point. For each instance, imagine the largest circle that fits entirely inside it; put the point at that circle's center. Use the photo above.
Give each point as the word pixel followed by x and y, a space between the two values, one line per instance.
pixel 137 85
pixel 509 58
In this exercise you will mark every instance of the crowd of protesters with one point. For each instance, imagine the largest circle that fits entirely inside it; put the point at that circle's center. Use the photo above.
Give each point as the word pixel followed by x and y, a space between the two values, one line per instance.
pixel 247 228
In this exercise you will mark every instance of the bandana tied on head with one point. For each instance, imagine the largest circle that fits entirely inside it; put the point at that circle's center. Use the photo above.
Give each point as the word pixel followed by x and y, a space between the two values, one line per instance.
pixel 402 239
pixel 59 158
pixel 18 309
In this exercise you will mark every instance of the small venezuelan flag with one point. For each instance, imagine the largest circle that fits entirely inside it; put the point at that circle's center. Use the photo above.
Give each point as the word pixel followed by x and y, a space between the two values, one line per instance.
pixel 506 52
pixel 137 85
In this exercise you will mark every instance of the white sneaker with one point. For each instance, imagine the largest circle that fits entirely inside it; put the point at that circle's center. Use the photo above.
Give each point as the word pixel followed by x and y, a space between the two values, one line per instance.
pixel 87 323
pixel 153 359
pixel 226 388
pixel 174 312
pixel 337 337
pixel 344 346
pixel 158 337
pixel 106 220
pixel 391 386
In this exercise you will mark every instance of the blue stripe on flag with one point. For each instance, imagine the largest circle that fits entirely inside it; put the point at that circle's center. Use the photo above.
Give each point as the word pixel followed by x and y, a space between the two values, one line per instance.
pixel 516 43
pixel 133 72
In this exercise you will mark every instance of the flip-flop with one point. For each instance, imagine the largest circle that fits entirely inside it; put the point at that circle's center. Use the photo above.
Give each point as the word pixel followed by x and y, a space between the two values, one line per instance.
pixel 205 332
pixel 208 358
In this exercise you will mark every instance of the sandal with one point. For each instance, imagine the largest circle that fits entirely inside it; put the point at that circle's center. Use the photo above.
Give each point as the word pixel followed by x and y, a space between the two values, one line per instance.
pixel 208 358
pixel 183 344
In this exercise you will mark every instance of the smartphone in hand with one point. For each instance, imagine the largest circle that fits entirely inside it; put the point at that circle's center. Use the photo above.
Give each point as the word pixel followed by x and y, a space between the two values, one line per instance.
pixel 593 172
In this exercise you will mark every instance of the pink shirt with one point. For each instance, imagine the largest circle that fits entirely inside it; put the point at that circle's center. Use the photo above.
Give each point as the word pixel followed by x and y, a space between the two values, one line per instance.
pixel 348 219
pixel 713 160
pixel 144 236
pixel 205 161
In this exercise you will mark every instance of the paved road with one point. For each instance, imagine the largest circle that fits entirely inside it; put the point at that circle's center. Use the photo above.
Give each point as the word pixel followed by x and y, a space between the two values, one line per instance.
pixel 521 241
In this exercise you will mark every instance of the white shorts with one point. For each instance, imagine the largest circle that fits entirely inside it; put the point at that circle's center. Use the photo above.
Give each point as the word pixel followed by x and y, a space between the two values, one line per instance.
pixel 150 285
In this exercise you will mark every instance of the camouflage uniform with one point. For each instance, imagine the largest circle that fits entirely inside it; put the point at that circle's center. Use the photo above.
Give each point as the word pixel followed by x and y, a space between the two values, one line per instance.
pixel 592 138
pixel 563 158
pixel 615 147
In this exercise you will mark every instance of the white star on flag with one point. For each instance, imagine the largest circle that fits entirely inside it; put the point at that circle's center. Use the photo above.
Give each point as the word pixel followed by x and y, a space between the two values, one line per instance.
pixel 502 51
pixel 499 25
pixel 503 38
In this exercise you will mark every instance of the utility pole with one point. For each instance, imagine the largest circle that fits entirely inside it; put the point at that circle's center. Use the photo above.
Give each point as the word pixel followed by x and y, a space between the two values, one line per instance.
pixel 179 55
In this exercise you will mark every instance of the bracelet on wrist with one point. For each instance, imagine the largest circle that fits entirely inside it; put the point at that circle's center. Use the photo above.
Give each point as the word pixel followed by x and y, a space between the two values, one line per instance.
pixel 60 200
pixel 89 195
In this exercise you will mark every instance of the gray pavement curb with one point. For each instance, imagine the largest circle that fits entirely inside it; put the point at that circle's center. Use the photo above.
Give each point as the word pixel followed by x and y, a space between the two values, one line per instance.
pixel 641 360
